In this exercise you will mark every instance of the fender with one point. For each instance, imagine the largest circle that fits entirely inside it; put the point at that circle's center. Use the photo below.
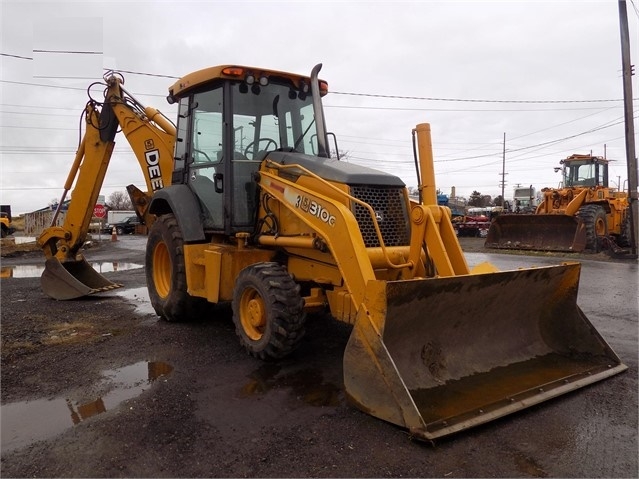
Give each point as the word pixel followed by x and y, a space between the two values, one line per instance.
pixel 180 200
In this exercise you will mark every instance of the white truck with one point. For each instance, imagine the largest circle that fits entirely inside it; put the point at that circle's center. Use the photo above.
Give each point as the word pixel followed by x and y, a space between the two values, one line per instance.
pixel 118 216
pixel 525 200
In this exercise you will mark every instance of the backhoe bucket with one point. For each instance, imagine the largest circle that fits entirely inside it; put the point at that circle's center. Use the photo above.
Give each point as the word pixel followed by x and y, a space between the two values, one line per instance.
pixel 73 279
pixel 441 355
pixel 543 232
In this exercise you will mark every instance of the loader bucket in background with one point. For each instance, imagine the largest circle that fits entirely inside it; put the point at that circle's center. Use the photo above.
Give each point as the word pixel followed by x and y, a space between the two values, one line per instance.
pixel 442 355
pixel 72 279
pixel 543 232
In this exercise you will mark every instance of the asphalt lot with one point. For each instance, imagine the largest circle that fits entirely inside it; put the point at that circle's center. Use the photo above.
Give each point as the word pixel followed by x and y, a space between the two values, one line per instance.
pixel 100 388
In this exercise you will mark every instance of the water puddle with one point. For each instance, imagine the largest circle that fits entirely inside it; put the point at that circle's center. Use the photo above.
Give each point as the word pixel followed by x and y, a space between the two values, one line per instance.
pixel 307 385
pixel 26 422
pixel 139 297
pixel 35 270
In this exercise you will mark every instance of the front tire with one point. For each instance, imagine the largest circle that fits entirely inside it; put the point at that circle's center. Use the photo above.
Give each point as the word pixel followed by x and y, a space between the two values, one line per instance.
pixel 596 224
pixel 268 311
pixel 166 270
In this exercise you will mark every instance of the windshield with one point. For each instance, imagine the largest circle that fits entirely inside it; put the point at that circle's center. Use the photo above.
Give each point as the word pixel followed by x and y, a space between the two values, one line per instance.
pixel 266 118
pixel 585 173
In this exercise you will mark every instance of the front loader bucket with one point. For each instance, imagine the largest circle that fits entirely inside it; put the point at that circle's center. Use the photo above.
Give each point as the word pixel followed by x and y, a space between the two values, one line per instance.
pixel 441 355
pixel 543 232
pixel 72 279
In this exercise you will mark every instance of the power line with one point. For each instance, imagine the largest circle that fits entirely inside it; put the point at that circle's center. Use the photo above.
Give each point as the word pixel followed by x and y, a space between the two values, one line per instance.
pixel 39 107
pixel 144 74
pixel 348 107
pixel 130 72
pixel 34 113
pixel 561 124
pixel 15 56
pixel 402 97
pixel 72 52
pixel 42 85
pixel 495 154
pixel 68 87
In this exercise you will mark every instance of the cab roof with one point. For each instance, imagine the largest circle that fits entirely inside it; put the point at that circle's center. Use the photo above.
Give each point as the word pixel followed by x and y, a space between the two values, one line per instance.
pixel 191 81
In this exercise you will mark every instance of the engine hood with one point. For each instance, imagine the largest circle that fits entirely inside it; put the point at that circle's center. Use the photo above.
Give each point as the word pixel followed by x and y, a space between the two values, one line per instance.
pixel 337 171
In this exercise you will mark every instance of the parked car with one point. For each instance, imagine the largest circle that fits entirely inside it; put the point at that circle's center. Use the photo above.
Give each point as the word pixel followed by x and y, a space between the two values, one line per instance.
pixel 124 227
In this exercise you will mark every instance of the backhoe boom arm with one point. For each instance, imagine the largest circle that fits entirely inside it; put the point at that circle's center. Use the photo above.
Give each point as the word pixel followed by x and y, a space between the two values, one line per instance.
pixel 151 136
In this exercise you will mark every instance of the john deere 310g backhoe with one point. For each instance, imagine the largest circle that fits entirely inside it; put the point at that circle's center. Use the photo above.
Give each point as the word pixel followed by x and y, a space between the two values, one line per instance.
pixel 254 211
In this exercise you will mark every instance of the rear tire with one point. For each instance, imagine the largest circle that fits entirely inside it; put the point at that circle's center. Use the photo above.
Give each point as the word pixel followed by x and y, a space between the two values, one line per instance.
pixel 166 271
pixel 268 311
pixel 596 224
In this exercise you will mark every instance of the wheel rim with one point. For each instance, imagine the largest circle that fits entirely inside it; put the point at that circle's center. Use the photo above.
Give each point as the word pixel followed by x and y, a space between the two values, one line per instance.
pixel 252 314
pixel 600 227
pixel 162 270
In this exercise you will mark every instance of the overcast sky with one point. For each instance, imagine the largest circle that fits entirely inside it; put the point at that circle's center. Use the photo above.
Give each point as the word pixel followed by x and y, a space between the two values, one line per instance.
pixel 548 74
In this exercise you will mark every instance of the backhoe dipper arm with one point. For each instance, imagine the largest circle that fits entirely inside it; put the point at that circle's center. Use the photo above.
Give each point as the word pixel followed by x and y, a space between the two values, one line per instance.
pixel 151 137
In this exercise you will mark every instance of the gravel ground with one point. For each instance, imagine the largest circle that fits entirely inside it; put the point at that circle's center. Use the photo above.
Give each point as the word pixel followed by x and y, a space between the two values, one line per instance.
pixel 99 387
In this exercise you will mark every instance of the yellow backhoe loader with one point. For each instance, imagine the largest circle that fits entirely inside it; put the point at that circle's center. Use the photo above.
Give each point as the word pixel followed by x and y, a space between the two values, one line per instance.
pixel 575 217
pixel 258 215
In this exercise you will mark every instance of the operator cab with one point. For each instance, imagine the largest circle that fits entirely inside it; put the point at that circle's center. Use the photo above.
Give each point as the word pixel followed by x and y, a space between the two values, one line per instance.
pixel 229 119
pixel 585 170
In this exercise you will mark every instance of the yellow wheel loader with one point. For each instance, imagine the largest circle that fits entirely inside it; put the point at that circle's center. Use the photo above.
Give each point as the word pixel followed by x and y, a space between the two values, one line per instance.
pixel 575 217
pixel 5 225
pixel 257 214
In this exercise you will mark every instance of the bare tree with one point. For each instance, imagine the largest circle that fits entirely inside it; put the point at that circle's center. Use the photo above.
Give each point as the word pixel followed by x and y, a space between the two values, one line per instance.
pixel 119 200
pixel 343 154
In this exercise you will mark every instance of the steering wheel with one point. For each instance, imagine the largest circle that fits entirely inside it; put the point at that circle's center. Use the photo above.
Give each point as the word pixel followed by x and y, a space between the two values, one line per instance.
pixel 251 144
pixel 202 153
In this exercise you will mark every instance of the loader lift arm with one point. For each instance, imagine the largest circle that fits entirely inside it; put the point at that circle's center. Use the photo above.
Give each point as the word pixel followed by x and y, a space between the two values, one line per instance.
pixel 151 136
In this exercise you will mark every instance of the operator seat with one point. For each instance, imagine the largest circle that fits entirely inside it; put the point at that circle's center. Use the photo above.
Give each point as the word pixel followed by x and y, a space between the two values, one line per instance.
pixel 244 191
pixel 210 200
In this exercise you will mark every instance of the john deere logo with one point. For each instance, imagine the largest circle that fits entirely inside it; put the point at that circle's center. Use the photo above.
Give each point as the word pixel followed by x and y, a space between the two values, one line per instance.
pixel 379 216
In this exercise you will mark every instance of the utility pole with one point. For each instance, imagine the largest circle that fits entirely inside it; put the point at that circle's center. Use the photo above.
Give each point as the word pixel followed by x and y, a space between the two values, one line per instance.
pixel 631 157
pixel 503 169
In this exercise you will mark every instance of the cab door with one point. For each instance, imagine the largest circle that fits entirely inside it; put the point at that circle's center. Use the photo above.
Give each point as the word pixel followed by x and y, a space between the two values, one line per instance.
pixel 205 155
